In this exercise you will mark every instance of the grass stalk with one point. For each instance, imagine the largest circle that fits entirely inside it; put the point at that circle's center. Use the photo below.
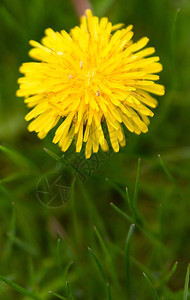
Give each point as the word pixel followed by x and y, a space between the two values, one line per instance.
pixel 127 262
pixel 19 289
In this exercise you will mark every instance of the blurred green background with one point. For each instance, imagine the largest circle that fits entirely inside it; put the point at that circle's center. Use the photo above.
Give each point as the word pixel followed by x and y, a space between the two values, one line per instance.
pixel 44 247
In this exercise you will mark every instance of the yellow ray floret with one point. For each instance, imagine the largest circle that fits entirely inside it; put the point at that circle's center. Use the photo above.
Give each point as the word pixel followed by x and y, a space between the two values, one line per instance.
pixel 93 75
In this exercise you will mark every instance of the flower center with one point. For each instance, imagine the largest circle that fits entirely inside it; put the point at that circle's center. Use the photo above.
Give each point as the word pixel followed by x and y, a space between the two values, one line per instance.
pixel 90 76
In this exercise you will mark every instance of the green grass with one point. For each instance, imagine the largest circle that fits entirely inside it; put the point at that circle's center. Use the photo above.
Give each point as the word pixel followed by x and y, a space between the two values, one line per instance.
pixel 88 247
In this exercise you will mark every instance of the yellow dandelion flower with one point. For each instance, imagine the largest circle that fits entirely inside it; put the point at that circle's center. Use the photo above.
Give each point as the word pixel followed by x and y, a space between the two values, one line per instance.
pixel 93 75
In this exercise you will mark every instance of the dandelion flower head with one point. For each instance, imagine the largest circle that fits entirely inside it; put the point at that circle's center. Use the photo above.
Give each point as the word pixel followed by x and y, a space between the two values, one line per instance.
pixel 93 75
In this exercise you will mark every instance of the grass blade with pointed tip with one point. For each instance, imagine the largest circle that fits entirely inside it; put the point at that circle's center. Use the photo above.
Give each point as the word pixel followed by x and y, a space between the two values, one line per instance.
pixel 172 41
pixel 108 291
pixel 57 295
pixel 69 290
pixel 12 177
pixel 124 215
pixel 101 242
pixel 52 154
pixel 146 232
pixel 167 278
pixel 58 254
pixel 19 289
pixel 24 246
pixel 67 269
pixel 186 288
pixel 31 272
pixel 166 169
pixel 101 272
pixel 127 261
pixel 154 293
pixel 107 256
pixel 18 158
pixel 172 50
pixel 98 264
pixel 114 185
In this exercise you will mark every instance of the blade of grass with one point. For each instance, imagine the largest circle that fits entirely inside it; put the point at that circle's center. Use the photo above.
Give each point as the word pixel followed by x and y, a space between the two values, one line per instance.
pixel 17 157
pixel 113 184
pixel 67 270
pixel 121 213
pixel 172 49
pixel 101 242
pixel 98 264
pixel 52 154
pixel 154 293
pixel 9 246
pixel 101 272
pixel 146 232
pixel 58 256
pixel 57 295
pixel 167 278
pixel 19 289
pixel 108 291
pixel 135 262
pixel 7 193
pixel 107 256
pixel 186 287
pixel 12 21
pixel 136 192
pixel 93 213
pixel 127 261
pixel 28 248
pixel 136 216
pixel 31 272
pixel 166 170
pixel 77 230
pixel 12 177
pixel 54 284
pixel 68 290
pixel 142 267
